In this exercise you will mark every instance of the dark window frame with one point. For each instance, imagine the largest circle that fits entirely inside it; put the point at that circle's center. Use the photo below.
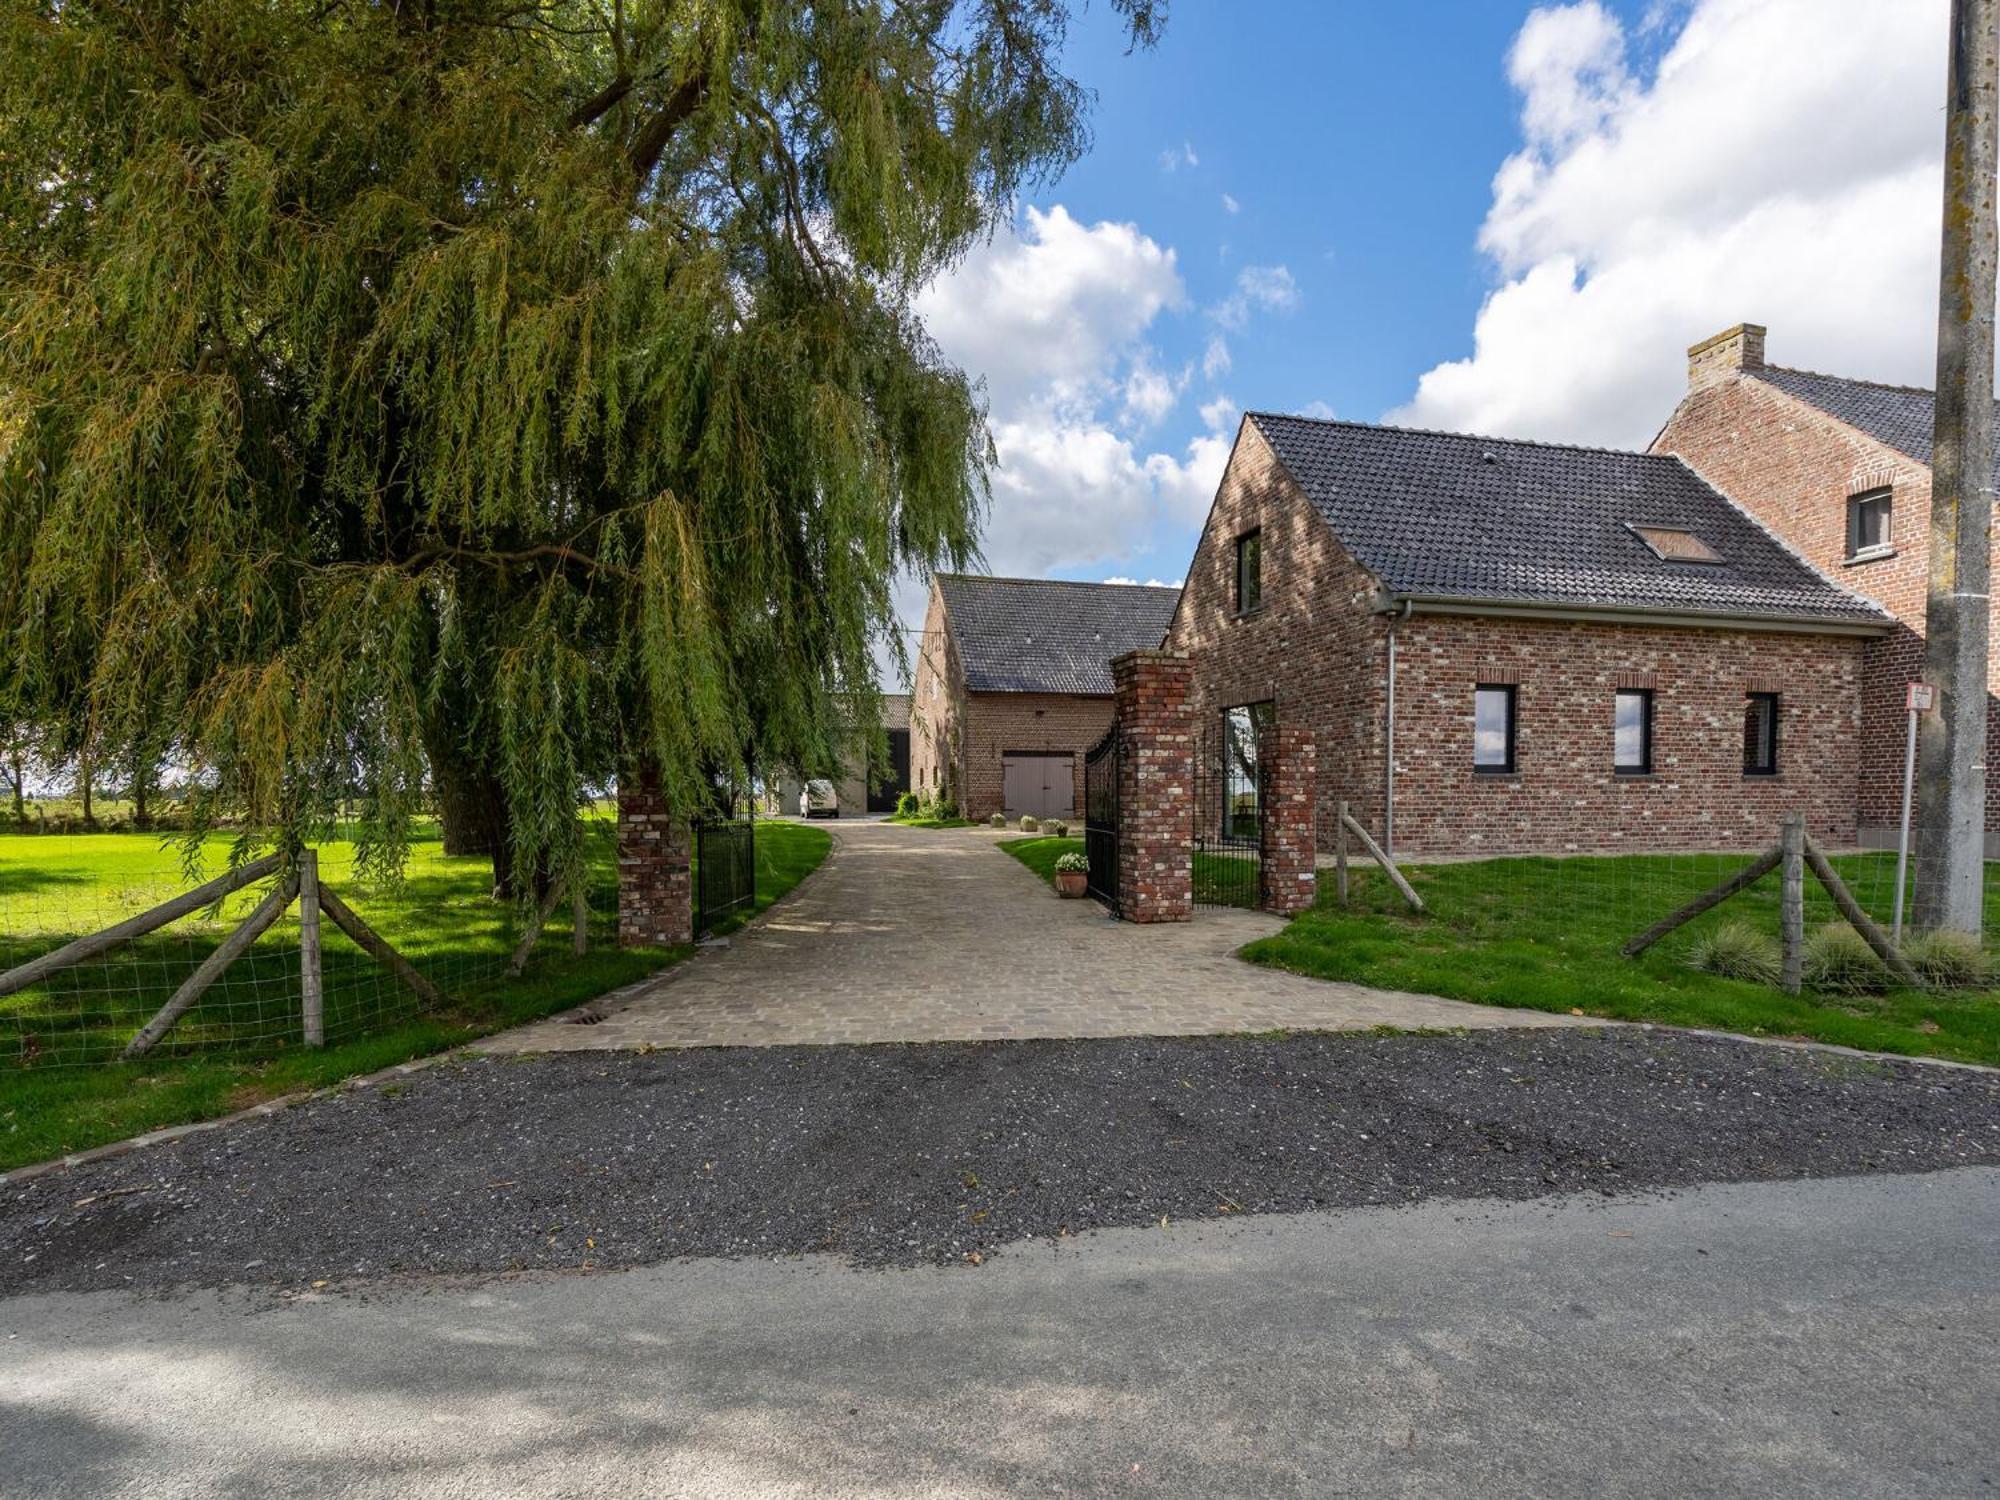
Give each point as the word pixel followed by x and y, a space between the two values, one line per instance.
pixel 1773 706
pixel 1886 498
pixel 1645 766
pixel 1511 766
pixel 1251 539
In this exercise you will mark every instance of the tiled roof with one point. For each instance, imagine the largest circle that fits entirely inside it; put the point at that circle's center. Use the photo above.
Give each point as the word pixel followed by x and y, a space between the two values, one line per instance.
pixel 1899 415
pixel 1039 635
pixel 1438 515
pixel 895 710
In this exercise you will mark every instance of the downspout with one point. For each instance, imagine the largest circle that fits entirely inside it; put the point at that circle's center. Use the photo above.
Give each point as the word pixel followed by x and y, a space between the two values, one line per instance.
pixel 1389 739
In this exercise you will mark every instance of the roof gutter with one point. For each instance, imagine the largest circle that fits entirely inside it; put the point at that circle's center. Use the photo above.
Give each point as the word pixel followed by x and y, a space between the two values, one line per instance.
pixel 1617 614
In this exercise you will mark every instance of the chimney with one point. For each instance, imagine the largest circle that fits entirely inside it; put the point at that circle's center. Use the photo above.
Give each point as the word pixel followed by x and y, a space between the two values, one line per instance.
pixel 1724 354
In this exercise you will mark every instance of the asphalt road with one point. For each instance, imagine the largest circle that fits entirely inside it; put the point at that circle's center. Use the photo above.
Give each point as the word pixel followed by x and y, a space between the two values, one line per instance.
pixel 1827 1337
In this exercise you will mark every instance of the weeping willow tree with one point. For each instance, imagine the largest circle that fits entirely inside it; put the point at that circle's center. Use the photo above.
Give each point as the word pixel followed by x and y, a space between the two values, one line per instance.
pixel 484 394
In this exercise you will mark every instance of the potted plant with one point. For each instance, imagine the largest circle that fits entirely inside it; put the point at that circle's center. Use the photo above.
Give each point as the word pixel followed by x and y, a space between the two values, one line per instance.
pixel 1072 875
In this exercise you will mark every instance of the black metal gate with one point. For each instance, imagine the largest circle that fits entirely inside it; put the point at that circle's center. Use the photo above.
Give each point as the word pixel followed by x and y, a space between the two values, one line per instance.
pixel 1229 807
pixel 725 870
pixel 1101 768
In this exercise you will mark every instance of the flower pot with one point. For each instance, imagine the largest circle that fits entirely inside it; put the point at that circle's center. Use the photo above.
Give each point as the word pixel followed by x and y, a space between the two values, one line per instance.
pixel 1072 883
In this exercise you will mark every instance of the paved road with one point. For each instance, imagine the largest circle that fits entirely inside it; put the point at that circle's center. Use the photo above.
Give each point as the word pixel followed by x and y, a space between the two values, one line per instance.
pixel 1766 1340
pixel 922 935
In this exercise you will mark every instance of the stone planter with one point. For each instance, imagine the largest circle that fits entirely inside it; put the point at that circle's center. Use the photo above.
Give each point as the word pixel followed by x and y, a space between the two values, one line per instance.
pixel 1072 883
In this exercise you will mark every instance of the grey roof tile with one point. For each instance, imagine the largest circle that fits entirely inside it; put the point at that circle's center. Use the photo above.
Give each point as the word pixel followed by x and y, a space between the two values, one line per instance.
pixel 1444 515
pixel 1899 415
pixel 1043 635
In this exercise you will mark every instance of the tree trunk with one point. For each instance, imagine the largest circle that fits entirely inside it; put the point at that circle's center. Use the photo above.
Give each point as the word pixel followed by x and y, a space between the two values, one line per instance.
pixel 20 786
pixel 141 786
pixel 472 808
pixel 83 785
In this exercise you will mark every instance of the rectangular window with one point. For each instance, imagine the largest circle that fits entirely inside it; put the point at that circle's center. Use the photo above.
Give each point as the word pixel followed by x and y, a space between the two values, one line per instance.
pixel 1245 730
pixel 1249 571
pixel 1632 751
pixel 1868 524
pixel 1760 734
pixel 1492 728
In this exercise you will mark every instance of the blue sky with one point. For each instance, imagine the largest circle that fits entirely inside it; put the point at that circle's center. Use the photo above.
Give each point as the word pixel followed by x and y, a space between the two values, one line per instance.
pixel 1481 215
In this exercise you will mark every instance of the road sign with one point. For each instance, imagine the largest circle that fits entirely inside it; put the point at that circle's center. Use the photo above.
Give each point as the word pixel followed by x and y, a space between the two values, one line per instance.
pixel 1920 698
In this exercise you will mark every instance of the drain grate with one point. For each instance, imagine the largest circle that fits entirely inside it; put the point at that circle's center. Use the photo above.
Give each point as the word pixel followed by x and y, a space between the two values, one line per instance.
pixel 586 1018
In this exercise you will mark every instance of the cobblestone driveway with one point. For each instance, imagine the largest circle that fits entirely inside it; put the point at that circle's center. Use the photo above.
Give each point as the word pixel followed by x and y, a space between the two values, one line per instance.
pixel 918 935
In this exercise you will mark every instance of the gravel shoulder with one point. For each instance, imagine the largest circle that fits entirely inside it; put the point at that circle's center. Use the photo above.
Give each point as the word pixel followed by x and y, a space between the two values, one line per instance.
pixel 944 1154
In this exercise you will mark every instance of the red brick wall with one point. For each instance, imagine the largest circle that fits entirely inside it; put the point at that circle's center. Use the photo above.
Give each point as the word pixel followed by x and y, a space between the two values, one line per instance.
pixel 655 893
pixel 1794 467
pixel 1314 647
pixel 1563 794
pixel 1291 782
pixel 937 705
pixel 1155 787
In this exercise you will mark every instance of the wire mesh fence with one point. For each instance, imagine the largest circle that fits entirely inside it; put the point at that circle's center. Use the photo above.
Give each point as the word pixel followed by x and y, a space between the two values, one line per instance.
pixel 441 916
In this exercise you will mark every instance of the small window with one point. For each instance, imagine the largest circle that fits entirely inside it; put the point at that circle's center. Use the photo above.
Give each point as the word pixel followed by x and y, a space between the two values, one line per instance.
pixel 1760 734
pixel 1868 524
pixel 1493 728
pixel 1632 751
pixel 1674 544
pixel 1249 571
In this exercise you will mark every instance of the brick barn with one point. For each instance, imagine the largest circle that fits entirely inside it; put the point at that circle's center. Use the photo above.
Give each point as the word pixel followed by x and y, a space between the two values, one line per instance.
pixel 1013 686
pixel 1509 646
pixel 1840 469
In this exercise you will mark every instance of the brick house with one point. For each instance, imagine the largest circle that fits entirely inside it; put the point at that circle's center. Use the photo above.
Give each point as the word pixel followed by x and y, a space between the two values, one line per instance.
pixel 1013 686
pixel 1840 469
pixel 1509 646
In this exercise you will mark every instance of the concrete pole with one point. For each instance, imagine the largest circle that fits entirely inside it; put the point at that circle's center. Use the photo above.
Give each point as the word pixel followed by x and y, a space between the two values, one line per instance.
pixel 1951 747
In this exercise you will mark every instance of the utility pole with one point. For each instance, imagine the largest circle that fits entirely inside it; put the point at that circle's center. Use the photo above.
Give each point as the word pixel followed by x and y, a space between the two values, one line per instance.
pixel 1951 747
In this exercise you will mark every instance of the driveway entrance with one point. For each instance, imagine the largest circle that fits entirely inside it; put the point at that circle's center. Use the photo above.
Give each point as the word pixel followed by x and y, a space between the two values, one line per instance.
pixel 920 935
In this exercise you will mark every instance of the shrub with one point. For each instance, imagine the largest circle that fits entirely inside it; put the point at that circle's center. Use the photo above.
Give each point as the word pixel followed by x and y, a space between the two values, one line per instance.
pixel 940 808
pixel 1073 864
pixel 1059 828
pixel 1736 950
pixel 1028 823
pixel 909 805
pixel 998 820
pixel 1839 962
pixel 1949 960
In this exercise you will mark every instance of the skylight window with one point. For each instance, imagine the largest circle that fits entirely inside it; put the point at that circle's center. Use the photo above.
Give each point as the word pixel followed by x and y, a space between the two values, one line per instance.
pixel 1673 544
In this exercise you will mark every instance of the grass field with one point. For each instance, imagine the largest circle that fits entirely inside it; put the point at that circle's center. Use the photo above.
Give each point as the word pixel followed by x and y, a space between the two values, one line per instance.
pixel 1544 934
pixel 1219 879
pixel 240 1044
pixel 922 822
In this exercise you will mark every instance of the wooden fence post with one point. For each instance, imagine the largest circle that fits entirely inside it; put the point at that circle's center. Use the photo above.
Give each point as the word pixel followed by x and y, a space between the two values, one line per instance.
pixel 1792 901
pixel 312 1000
pixel 1340 854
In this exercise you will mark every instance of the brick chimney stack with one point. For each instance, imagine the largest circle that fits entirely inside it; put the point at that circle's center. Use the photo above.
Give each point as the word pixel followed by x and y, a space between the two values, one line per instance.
pixel 1724 354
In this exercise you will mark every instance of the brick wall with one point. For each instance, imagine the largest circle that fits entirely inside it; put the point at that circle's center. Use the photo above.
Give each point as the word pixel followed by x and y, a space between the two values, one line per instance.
pixel 1563 794
pixel 1314 648
pixel 1291 784
pixel 1794 467
pixel 1051 723
pixel 1155 787
pixel 937 704
pixel 655 893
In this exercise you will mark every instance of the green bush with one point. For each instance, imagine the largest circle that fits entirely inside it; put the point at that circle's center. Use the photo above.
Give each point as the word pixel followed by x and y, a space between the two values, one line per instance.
pixel 1736 950
pixel 1949 960
pixel 1839 962
pixel 943 809
pixel 998 820
pixel 909 805
pixel 1059 829
pixel 1028 823
pixel 1072 864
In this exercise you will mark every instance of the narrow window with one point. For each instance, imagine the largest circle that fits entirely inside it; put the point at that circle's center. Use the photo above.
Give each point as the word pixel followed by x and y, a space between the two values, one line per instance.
pixel 1868 524
pixel 1249 571
pixel 1760 734
pixel 1492 728
pixel 1632 753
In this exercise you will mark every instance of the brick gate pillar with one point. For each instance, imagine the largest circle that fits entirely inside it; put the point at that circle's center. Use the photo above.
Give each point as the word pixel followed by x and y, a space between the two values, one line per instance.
pixel 1155 786
pixel 655 892
pixel 1291 773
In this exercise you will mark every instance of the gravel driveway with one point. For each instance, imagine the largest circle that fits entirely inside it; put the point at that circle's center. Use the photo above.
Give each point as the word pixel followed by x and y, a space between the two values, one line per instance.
pixel 903 1154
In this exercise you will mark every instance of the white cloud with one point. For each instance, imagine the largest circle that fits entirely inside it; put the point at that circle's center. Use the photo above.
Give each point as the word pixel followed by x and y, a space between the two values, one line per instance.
pixel 1781 166
pixel 1151 583
pixel 1318 410
pixel 1174 158
pixel 1220 414
pixel 1149 393
pixel 1230 205
pixel 1258 289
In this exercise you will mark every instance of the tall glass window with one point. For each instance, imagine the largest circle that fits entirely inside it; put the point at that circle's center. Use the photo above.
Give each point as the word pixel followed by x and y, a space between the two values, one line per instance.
pixel 1633 733
pixel 1493 727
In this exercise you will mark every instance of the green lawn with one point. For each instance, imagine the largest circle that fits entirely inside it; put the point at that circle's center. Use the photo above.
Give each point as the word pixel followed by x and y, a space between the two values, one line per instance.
pixel 240 1044
pixel 930 822
pixel 1544 934
pixel 1219 879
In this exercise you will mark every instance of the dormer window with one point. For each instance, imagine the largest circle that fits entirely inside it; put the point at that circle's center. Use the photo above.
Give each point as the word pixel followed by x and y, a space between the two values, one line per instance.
pixel 1868 533
pixel 1676 544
